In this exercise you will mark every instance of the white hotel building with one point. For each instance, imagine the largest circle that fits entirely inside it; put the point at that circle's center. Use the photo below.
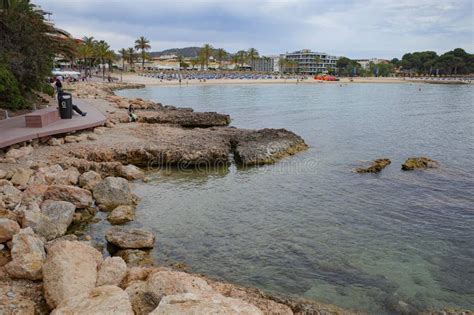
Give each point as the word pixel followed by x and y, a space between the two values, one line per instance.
pixel 312 62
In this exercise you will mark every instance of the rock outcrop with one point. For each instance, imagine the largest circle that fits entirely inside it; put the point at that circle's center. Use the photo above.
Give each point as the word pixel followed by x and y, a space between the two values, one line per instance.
pixel 128 238
pixel 174 282
pixel 185 118
pixel 376 166
pixel 266 146
pixel 419 163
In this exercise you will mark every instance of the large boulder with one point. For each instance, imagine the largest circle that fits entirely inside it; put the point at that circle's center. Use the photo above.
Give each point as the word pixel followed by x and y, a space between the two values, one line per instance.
pixel 81 198
pixel 419 163
pixel 112 271
pixel 89 180
pixel 113 192
pixel 121 214
pixel 52 220
pixel 8 228
pixel 130 238
pixel 21 177
pixel 213 303
pixel 49 173
pixel 175 282
pixel 28 256
pixel 107 299
pixel 70 270
pixel 185 118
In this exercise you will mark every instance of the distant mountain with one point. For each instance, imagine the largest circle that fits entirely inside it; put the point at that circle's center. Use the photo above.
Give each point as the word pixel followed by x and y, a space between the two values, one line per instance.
pixel 187 52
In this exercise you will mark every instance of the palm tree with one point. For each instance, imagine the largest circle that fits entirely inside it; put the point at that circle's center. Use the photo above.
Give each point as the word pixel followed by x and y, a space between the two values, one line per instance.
pixel 221 54
pixel 241 57
pixel 205 53
pixel 143 45
pixel 131 57
pixel 103 53
pixel 282 63
pixel 194 62
pixel 123 54
pixel 252 55
pixel 88 52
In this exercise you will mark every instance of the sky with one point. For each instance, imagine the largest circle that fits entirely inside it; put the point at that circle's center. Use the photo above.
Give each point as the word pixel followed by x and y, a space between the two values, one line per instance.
pixel 352 28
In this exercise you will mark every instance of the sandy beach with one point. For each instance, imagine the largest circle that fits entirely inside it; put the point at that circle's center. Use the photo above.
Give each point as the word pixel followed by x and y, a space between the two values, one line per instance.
pixel 138 79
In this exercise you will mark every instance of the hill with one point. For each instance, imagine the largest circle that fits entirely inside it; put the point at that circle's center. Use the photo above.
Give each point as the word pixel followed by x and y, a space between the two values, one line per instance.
pixel 187 52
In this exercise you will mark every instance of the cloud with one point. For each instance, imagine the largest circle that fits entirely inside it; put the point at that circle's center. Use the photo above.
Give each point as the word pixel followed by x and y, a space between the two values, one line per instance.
pixel 364 28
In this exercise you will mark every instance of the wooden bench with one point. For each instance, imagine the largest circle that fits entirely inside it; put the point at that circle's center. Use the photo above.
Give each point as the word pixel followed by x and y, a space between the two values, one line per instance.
pixel 42 117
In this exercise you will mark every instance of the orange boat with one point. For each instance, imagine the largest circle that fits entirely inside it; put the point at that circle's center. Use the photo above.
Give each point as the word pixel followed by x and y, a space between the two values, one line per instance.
pixel 326 77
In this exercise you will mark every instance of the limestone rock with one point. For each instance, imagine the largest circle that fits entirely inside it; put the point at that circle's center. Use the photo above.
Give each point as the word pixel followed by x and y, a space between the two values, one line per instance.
pixel 266 146
pixel 34 193
pixel 142 302
pixel 21 177
pixel 190 303
pixel 8 214
pixel 130 238
pixel 185 118
pixel 112 271
pixel 377 166
pixel 50 172
pixel 113 192
pixel 99 130
pixel 92 137
pixel 3 174
pixel 419 163
pixel 107 299
pixel 71 139
pixel 56 141
pixel 8 228
pixel 137 274
pixel 10 195
pixel 131 172
pixel 121 214
pixel 67 177
pixel 135 257
pixel 81 198
pixel 70 270
pixel 89 180
pixel 28 256
pixel 19 153
pixel 52 220
pixel 175 282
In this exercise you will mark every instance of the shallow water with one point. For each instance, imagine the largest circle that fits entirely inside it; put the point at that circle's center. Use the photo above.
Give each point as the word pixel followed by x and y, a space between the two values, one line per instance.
pixel 309 226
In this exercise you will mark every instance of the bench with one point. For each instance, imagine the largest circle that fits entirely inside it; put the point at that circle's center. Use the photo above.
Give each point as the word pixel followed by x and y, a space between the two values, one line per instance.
pixel 42 118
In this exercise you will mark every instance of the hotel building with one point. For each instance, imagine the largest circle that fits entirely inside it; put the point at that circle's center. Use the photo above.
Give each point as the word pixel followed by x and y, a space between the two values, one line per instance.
pixel 310 62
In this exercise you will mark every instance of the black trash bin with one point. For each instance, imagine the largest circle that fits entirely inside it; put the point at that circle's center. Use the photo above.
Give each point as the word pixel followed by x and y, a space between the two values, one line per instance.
pixel 65 105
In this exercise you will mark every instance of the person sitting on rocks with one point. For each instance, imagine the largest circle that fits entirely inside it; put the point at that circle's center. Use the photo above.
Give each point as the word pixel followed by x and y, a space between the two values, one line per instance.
pixel 132 117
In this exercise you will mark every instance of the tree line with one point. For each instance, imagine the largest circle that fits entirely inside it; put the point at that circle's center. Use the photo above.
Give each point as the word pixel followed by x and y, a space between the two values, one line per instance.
pixel 454 62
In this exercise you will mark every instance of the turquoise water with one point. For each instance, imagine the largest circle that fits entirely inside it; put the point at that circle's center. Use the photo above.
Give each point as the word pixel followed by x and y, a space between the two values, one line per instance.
pixel 309 226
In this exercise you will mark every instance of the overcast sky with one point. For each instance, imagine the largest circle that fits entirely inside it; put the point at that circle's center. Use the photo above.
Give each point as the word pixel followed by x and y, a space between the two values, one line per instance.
pixel 353 28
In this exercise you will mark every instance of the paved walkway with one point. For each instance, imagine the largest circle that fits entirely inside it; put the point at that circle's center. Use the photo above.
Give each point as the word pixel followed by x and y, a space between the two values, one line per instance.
pixel 13 130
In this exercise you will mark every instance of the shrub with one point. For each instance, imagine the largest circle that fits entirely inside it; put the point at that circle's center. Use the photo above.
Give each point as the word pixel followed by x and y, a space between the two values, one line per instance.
pixel 10 96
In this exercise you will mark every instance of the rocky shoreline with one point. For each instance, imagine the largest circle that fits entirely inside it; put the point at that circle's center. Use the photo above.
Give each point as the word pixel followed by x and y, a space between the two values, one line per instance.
pixel 51 188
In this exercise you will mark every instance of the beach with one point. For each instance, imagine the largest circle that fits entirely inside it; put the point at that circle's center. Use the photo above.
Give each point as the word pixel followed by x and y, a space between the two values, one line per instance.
pixel 149 81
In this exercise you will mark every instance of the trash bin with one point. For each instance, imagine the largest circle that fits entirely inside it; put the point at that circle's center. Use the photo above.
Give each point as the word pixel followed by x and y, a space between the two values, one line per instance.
pixel 65 105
